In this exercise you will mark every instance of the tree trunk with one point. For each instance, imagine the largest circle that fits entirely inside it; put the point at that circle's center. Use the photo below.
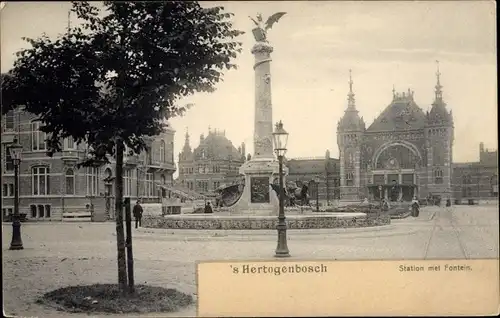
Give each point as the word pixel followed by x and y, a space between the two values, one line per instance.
pixel 130 255
pixel 120 235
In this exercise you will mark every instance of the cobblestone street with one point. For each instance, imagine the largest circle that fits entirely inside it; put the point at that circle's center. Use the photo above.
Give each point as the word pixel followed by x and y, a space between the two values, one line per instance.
pixel 62 254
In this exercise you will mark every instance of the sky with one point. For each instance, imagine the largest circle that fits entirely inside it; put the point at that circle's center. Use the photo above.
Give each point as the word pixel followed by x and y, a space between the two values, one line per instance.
pixel 386 44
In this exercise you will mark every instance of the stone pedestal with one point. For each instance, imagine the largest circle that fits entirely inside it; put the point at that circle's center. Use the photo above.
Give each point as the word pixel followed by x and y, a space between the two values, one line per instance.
pixel 258 197
pixel 349 195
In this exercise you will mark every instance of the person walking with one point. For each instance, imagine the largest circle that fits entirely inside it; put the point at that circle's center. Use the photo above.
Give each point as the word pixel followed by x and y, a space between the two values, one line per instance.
pixel 415 207
pixel 137 213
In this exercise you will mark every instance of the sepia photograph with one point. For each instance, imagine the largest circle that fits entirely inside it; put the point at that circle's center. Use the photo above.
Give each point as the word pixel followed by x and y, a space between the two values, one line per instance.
pixel 249 158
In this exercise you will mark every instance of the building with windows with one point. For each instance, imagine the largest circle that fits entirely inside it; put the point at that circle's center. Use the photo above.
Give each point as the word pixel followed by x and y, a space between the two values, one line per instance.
pixel 53 188
pixel 476 181
pixel 321 175
pixel 214 163
pixel 404 152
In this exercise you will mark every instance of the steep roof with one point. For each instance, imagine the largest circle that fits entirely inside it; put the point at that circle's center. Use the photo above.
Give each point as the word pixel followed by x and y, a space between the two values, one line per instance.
pixel 402 113
pixel 217 146
pixel 438 115
pixel 351 120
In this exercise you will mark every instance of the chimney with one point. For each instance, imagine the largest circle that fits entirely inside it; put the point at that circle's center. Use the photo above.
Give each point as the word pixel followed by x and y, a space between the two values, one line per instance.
pixel 243 151
pixel 481 147
pixel 202 137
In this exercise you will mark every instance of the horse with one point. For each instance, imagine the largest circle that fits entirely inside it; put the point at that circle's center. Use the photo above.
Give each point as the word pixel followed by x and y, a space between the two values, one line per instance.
pixel 293 194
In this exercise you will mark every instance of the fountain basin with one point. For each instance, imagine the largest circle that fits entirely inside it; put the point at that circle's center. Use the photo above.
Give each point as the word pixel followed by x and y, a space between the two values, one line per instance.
pixel 218 221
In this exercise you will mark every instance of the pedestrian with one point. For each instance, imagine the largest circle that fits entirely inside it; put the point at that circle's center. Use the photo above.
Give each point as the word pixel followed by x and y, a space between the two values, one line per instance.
pixel 415 207
pixel 208 208
pixel 138 213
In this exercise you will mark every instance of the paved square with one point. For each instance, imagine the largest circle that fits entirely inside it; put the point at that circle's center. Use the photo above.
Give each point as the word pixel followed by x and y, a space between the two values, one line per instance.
pixel 61 254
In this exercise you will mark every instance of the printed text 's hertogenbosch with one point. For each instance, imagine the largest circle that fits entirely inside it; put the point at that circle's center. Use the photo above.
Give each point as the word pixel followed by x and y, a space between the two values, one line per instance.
pixel 278 270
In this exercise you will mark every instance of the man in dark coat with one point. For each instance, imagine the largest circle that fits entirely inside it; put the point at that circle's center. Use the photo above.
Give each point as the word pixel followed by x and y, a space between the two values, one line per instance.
pixel 137 213
pixel 208 208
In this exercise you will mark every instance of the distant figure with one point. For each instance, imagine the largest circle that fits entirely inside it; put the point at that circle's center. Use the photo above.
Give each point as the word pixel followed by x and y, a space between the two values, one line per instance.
pixel 208 208
pixel 138 213
pixel 448 202
pixel 415 207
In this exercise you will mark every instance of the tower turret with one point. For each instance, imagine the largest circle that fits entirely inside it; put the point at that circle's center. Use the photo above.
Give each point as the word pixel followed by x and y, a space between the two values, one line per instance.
pixel 186 149
pixel 439 134
pixel 438 115
pixel 350 130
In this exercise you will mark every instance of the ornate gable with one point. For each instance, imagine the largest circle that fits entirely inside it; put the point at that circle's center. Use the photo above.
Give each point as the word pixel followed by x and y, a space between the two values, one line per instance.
pixel 403 113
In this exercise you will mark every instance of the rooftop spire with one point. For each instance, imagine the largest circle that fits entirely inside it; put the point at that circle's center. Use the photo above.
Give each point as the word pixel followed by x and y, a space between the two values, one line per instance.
pixel 187 148
pixel 350 96
pixel 393 91
pixel 439 92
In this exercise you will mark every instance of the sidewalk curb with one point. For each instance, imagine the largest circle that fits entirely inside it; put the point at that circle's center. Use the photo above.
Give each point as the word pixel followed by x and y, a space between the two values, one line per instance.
pixel 260 232
pixel 266 236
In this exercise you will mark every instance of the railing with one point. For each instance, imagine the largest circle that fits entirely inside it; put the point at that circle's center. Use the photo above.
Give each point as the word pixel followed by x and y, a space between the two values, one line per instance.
pixel 160 164
pixel 70 154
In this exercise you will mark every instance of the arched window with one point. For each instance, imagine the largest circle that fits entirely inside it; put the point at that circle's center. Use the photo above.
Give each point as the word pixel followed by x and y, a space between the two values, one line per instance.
pixel 40 181
pixel 350 159
pixel 162 151
pixel 349 178
pixel 438 176
pixel 70 182
pixel 9 120
pixel 37 137
pixel 92 178
pixel 69 143
pixel 127 182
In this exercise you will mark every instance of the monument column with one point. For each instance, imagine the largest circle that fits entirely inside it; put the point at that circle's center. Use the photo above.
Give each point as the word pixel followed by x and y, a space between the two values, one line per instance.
pixel 258 197
pixel 263 121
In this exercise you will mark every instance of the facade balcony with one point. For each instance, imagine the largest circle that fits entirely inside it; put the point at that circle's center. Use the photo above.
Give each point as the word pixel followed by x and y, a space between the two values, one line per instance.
pixel 159 165
pixel 131 160
pixel 70 155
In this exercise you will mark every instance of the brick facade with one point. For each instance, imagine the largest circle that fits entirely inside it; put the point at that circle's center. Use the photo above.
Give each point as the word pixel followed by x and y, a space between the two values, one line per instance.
pixel 213 163
pixel 54 183
pixel 404 152
pixel 325 170
pixel 476 181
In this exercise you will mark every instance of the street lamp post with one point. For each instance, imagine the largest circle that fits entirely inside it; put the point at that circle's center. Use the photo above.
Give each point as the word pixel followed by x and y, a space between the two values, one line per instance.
pixel 15 152
pixel 317 193
pixel 280 141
